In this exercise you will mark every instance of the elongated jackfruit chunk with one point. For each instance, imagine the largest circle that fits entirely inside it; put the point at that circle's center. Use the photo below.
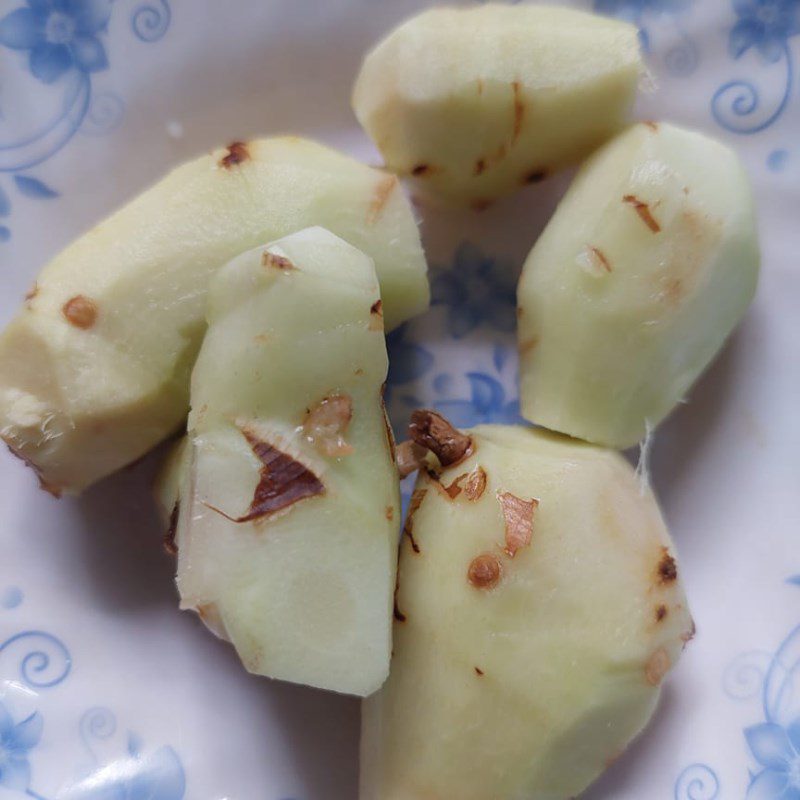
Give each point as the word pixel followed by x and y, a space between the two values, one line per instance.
pixel 644 270
pixel 538 609
pixel 477 102
pixel 94 370
pixel 289 499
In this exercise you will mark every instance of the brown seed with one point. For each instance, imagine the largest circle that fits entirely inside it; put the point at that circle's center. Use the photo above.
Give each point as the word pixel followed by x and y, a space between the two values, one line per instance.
pixel 484 571
pixel 80 311
pixel 518 516
pixel 433 432
pixel 643 210
pixel 667 568
pixel 325 425
pixel 380 197
pixel 237 154
pixel 272 261
pixel 657 667
pixel 476 484
pixel 661 612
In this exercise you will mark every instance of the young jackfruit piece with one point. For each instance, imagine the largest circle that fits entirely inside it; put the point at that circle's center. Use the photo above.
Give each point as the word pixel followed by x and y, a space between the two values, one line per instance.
pixel 538 609
pixel 477 102
pixel 289 497
pixel 649 262
pixel 94 370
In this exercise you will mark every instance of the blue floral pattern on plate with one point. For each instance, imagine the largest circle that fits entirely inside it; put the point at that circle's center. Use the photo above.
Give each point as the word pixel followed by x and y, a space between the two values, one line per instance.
pixel 61 45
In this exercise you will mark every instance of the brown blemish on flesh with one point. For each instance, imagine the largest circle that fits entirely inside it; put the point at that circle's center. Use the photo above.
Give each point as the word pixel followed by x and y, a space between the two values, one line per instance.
pixel 389 513
pixel 32 292
pixel 599 258
pixel 272 261
pixel 485 571
pixel 455 489
pixel 170 545
pixel 480 85
pixel 398 614
pixel 476 484
pixel 518 517
pixel 325 425
pixel 519 110
pixel 650 124
pixel 643 210
pixel 673 292
pixel 421 170
pixel 480 204
pixel 80 311
pixel 661 613
pixel 376 316
pixel 387 428
pixel 480 166
pixel 50 488
pixel 657 667
pixel 237 154
pixel 534 176
pixel 479 672
pixel 410 457
pixel 528 345
pixel 359 371
pixel 283 481
pixel 520 312
pixel 380 197
pixel 433 432
pixel 667 569
pixel 417 497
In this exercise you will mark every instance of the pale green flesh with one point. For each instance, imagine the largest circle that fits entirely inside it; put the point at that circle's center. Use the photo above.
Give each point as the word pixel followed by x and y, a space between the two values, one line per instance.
pixel 304 594
pixel 477 102
pixel 564 640
pixel 80 403
pixel 607 351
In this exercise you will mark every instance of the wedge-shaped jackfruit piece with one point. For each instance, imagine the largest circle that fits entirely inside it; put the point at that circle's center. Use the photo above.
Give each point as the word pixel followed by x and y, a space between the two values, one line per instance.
pixel 289 502
pixel 642 273
pixel 538 609
pixel 95 368
pixel 477 102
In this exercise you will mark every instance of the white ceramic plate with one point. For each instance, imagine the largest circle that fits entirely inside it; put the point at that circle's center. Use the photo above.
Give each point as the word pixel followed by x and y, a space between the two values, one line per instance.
pixel 106 691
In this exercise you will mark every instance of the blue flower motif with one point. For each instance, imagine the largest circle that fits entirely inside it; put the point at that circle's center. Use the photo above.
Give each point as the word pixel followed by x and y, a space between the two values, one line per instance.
pixel 487 404
pixel 766 25
pixel 477 289
pixel 16 741
pixel 778 751
pixel 59 35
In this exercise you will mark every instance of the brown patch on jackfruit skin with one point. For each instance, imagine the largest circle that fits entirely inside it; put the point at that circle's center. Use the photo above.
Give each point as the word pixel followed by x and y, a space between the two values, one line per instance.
pixel 433 432
pixel 518 517
pixel 667 569
pixel 283 481
pixel 271 261
pixel 476 484
pixel 408 529
pixel 600 258
pixel 237 154
pixel 170 545
pixel 380 197
pixel 485 571
pixel 80 311
pixel 643 210
pixel 376 316
pixel 657 667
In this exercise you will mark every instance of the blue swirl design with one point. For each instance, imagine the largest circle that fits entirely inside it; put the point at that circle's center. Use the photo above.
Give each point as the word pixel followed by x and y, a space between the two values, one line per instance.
pixel 766 26
pixel 697 782
pixel 44 660
pixel 97 724
pixel 744 676
pixel 150 21
pixel 62 48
